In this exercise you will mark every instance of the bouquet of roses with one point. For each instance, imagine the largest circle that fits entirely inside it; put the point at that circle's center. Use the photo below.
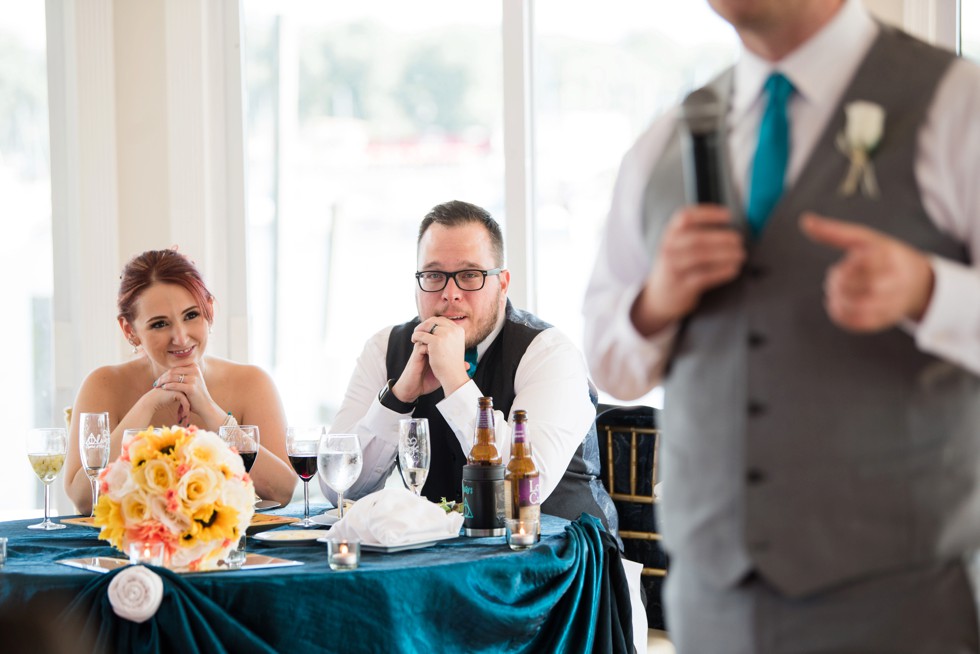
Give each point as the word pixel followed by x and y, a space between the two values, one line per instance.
pixel 184 488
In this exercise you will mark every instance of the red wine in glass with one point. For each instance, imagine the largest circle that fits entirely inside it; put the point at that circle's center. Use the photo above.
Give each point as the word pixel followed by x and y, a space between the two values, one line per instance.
pixel 304 465
pixel 301 443
pixel 248 458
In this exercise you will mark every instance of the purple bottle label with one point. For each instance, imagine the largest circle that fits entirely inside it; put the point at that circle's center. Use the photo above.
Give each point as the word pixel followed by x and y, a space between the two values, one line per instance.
pixel 527 491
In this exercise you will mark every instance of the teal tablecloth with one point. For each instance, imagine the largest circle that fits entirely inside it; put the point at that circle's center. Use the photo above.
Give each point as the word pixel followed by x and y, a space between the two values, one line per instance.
pixel 567 594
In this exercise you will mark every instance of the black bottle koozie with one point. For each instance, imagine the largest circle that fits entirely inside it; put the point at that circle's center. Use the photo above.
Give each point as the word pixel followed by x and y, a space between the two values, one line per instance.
pixel 483 500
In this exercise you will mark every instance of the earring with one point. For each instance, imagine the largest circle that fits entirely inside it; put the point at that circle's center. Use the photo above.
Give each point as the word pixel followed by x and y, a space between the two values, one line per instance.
pixel 132 341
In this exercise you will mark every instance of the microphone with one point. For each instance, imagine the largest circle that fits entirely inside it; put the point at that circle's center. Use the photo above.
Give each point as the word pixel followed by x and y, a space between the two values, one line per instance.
pixel 703 147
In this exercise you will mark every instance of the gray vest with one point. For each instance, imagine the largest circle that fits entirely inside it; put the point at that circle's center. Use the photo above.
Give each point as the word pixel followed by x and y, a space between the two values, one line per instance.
pixel 793 448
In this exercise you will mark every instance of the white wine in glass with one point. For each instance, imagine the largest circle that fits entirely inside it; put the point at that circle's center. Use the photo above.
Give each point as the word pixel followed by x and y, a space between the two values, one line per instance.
pixel 414 451
pixel 93 445
pixel 46 450
pixel 339 462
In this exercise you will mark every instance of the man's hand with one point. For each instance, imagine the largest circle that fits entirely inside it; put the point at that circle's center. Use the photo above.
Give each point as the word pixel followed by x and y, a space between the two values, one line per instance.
pixel 436 360
pixel 877 283
pixel 698 252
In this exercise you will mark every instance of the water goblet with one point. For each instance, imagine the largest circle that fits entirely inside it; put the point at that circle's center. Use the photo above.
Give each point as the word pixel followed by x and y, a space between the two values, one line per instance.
pixel 93 445
pixel 339 462
pixel 414 450
pixel 46 450
pixel 245 440
pixel 301 444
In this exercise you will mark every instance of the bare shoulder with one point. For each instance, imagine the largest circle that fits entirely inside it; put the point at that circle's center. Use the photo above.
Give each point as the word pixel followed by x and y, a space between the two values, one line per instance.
pixel 115 385
pixel 230 374
pixel 116 377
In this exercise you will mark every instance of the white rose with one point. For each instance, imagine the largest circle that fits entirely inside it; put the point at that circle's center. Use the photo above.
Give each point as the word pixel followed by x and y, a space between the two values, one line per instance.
pixel 135 593
pixel 865 123
pixel 118 479
pixel 174 522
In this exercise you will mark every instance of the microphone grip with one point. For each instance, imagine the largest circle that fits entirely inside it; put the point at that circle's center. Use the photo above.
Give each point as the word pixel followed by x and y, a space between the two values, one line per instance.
pixel 702 148
pixel 705 155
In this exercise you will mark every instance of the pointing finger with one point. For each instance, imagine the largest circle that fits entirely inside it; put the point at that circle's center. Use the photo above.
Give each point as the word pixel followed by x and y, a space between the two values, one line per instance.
pixel 836 233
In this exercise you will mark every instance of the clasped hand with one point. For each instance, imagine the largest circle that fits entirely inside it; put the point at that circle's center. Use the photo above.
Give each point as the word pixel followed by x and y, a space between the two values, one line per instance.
pixel 436 360
pixel 185 386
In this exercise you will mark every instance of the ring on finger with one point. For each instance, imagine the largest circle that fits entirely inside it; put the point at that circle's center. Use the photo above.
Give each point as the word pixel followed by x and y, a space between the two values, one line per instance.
pixel 433 330
pixel 180 380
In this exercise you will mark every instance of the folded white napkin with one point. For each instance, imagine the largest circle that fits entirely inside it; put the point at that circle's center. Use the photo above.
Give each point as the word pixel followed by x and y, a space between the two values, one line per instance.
pixel 396 516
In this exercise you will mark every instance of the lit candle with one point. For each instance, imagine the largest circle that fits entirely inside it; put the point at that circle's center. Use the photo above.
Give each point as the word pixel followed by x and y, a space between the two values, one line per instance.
pixel 522 533
pixel 343 555
pixel 522 537
pixel 149 552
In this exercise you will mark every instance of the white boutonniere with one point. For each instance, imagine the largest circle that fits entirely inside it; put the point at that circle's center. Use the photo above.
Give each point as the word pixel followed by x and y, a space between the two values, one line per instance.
pixel 863 126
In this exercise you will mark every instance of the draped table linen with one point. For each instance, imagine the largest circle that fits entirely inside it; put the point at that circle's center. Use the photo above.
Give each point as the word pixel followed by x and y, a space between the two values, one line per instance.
pixel 567 594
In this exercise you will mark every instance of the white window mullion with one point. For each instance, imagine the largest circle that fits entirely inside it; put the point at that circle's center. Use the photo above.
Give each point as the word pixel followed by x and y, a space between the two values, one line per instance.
pixel 935 21
pixel 205 131
pixel 518 149
pixel 84 208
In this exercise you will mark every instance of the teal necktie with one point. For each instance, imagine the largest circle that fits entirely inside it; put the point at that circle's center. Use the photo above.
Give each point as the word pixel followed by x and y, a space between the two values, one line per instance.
pixel 771 154
pixel 470 357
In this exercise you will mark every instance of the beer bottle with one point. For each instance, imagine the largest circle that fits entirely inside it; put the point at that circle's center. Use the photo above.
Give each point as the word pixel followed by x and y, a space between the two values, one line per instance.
pixel 521 494
pixel 483 479
pixel 484 452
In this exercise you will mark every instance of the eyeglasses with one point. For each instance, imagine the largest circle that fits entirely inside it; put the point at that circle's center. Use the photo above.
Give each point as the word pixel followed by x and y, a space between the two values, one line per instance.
pixel 433 281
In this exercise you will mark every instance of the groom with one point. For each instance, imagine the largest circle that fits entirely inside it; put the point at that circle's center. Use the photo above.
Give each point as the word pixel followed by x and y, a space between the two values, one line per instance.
pixel 468 341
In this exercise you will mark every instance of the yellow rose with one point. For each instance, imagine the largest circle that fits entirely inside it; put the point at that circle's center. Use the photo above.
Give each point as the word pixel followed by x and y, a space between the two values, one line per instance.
pixel 135 508
pixel 198 487
pixel 157 476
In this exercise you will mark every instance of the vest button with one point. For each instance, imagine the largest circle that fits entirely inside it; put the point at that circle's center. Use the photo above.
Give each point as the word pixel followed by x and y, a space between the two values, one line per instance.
pixel 756 271
pixel 756 408
pixel 757 340
pixel 755 476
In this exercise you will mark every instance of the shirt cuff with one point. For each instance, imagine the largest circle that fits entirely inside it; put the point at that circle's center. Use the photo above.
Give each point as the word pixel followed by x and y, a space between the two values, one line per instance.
pixel 382 422
pixel 459 410
pixel 951 321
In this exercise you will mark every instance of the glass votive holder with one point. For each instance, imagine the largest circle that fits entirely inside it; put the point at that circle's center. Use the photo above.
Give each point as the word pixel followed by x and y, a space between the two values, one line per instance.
pixel 146 552
pixel 522 533
pixel 3 551
pixel 343 554
pixel 237 555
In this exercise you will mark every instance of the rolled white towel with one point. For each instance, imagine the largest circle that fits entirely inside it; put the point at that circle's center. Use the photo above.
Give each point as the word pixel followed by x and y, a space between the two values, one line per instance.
pixel 135 593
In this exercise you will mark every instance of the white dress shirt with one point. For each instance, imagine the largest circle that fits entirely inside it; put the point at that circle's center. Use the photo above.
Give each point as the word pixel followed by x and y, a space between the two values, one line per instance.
pixel 551 384
pixel 947 170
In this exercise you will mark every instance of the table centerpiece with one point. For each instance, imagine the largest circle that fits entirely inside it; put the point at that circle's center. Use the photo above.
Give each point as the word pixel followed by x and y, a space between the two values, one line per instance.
pixel 182 487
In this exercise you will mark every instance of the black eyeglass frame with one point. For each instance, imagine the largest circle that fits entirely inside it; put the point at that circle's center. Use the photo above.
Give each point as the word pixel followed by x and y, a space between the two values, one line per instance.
pixel 447 275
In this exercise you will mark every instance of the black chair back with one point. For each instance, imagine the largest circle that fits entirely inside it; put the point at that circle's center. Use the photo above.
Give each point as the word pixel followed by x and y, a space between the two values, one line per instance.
pixel 629 439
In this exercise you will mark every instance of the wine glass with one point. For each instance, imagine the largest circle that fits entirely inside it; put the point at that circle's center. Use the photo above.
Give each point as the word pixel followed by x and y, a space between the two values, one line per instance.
pixel 46 450
pixel 93 444
pixel 245 440
pixel 414 451
pixel 339 461
pixel 301 444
